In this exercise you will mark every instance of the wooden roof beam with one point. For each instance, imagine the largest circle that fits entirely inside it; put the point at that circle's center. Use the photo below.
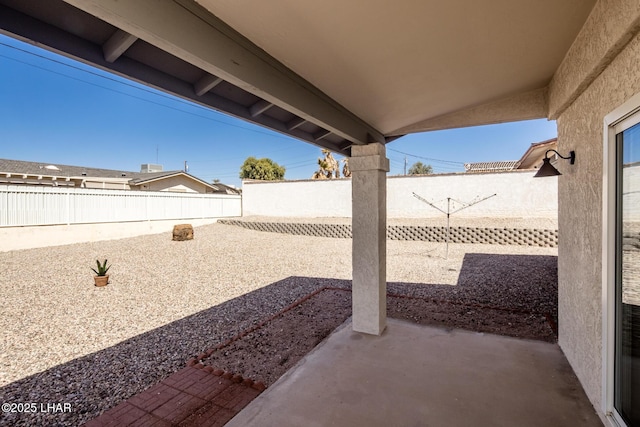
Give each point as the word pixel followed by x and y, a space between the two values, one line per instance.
pixel 259 107
pixel 295 123
pixel 205 41
pixel 322 133
pixel 206 83
pixel 117 44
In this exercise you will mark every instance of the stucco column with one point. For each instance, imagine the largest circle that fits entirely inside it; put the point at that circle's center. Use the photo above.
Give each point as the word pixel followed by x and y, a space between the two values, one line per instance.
pixel 369 166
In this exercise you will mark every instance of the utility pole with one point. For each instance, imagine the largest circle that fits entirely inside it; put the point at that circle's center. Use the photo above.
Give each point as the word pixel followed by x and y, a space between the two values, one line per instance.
pixel 405 165
pixel 186 167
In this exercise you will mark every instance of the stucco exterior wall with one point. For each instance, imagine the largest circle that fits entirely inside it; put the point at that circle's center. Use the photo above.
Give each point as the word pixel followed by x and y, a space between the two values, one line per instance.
pixel 297 198
pixel 580 128
pixel 105 185
pixel 518 195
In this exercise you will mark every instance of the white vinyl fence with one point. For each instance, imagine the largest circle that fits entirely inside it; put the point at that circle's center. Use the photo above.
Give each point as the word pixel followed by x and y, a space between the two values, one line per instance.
pixel 27 205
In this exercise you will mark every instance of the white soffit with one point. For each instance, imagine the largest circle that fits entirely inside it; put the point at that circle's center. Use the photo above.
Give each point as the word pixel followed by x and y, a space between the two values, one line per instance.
pixel 398 63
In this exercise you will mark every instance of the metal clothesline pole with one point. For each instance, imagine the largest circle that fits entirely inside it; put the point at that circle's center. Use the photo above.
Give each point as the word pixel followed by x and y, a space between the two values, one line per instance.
pixel 448 213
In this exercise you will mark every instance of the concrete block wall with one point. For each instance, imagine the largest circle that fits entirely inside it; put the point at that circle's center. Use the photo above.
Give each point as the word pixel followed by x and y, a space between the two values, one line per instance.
pixel 518 195
pixel 495 236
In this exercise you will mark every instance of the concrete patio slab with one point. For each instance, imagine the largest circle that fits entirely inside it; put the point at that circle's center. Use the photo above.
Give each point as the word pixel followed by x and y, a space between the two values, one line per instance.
pixel 416 375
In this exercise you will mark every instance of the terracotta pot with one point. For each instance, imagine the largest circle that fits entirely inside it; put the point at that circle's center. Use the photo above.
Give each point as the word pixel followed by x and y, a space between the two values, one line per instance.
pixel 101 280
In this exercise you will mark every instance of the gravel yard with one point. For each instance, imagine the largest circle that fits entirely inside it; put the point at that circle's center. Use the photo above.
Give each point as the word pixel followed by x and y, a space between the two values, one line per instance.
pixel 66 341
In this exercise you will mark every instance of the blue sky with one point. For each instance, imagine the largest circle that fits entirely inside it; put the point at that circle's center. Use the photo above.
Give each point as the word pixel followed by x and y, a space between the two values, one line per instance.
pixel 55 110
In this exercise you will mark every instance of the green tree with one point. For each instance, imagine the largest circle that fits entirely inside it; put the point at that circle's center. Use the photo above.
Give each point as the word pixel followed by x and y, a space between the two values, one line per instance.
pixel 419 168
pixel 264 169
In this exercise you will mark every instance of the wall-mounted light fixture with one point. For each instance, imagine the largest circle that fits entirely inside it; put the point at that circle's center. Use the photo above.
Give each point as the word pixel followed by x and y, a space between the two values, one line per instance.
pixel 547 169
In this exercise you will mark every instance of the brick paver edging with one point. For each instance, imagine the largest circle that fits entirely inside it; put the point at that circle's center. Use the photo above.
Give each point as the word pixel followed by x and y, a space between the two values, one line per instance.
pixel 189 397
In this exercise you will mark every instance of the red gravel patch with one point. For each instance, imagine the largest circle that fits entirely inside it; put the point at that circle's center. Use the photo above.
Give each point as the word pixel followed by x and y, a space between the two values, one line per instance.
pixel 268 350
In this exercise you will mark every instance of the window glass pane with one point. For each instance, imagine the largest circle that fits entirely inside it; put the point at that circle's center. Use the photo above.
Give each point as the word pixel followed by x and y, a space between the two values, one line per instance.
pixel 627 369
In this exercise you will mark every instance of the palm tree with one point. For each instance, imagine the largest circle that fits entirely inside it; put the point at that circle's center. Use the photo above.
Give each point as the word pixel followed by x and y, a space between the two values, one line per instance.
pixel 328 167
pixel 346 172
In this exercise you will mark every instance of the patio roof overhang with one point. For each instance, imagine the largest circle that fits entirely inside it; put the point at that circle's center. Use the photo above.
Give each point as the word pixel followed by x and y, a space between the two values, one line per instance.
pixel 330 73
pixel 358 74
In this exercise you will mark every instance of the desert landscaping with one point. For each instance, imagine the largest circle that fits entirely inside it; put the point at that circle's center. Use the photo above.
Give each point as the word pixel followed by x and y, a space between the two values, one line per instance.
pixel 167 302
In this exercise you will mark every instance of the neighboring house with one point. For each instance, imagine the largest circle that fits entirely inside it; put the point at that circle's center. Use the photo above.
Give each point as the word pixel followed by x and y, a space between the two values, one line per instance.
pixel 229 189
pixel 503 166
pixel 531 159
pixel 56 175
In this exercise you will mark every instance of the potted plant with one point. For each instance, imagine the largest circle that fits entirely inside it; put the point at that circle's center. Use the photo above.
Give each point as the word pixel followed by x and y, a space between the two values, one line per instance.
pixel 101 278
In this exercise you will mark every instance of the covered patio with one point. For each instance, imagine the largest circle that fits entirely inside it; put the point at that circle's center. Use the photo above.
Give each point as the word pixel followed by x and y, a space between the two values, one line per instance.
pixel 352 77
pixel 417 375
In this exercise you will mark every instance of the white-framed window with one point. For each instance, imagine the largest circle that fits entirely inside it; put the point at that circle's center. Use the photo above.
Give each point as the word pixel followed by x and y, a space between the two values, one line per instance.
pixel 621 265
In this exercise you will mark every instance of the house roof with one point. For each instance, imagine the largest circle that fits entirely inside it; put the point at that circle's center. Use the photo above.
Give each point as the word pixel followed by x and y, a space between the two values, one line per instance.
pixel 20 167
pixel 407 67
pixel 227 188
pixel 535 152
pixel 59 170
pixel 528 160
pixel 491 166
pixel 143 178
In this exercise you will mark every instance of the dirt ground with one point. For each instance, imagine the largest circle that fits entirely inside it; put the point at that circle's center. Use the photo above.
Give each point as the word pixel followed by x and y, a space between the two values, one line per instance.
pixel 520 301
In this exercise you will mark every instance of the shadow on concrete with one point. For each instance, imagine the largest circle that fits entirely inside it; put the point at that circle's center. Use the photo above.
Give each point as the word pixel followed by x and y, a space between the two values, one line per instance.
pixel 99 381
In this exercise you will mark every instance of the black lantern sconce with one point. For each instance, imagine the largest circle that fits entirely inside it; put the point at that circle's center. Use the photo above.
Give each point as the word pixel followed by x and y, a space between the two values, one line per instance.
pixel 547 168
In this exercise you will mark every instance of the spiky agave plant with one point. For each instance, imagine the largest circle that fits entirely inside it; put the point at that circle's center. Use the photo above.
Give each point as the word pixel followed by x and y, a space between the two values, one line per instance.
pixel 102 268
